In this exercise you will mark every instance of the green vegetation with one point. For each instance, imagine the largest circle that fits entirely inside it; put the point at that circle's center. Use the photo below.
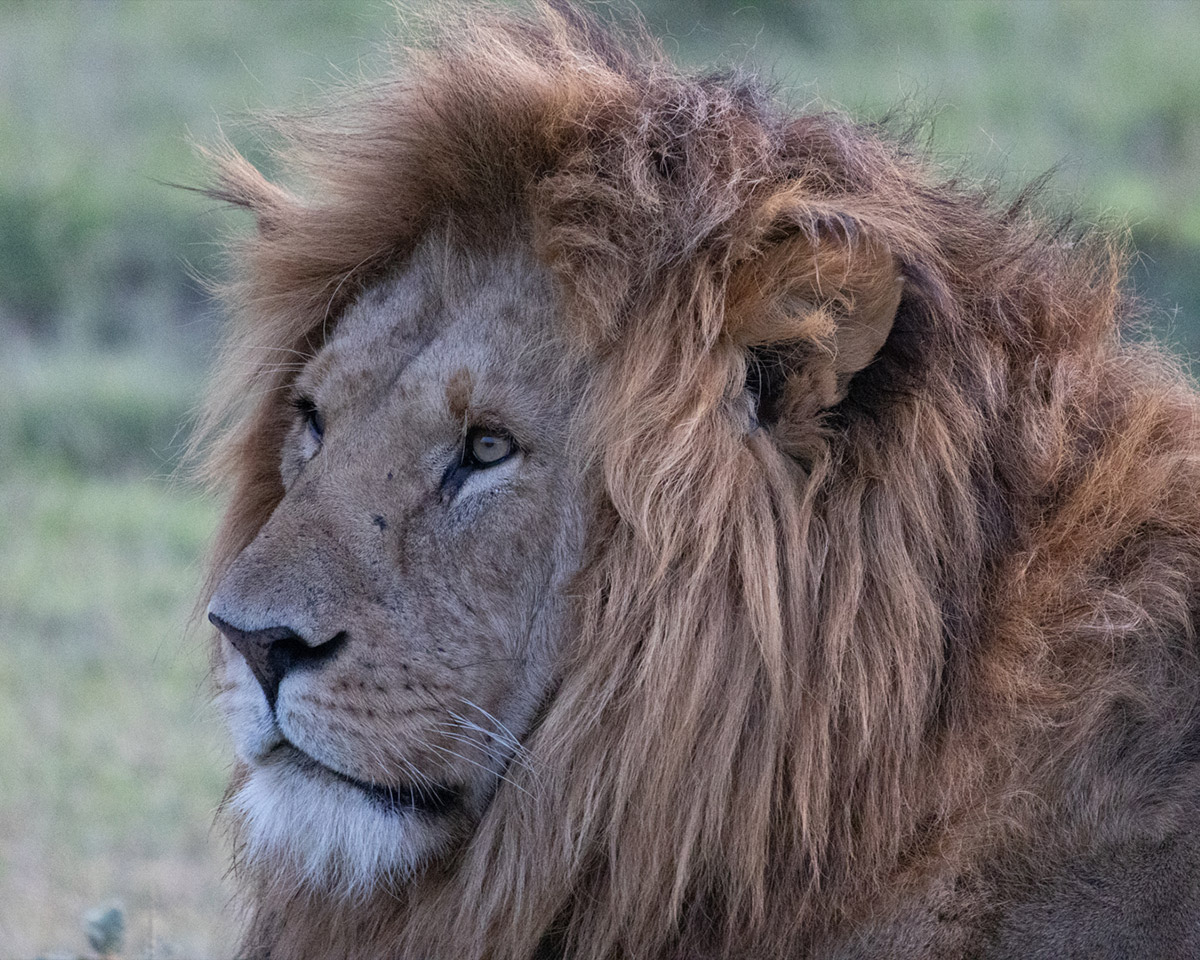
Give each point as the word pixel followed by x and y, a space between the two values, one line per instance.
pixel 112 760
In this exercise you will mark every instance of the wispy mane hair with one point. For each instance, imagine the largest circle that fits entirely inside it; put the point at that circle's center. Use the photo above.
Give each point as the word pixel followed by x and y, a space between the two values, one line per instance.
pixel 823 616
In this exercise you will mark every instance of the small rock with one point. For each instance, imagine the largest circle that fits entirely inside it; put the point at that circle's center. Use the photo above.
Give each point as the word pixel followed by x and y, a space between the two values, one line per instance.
pixel 105 929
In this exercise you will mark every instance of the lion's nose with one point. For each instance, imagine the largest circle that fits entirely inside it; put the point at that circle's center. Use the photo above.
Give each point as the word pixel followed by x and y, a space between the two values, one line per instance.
pixel 273 652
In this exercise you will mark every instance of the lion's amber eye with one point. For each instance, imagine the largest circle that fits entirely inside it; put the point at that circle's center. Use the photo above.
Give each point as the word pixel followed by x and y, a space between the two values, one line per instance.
pixel 486 448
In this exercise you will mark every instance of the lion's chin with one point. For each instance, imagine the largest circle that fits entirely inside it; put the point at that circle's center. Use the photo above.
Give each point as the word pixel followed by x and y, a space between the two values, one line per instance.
pixel 302 822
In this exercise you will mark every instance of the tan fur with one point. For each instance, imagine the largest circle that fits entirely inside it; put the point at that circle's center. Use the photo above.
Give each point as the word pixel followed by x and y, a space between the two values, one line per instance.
pixel 859 673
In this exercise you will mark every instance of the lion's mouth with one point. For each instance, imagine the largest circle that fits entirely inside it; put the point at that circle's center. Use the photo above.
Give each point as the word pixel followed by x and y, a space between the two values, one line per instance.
pixel 430 799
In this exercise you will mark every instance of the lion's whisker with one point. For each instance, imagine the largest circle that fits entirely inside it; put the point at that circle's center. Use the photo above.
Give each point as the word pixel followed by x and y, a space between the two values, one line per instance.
pixel 496 774
pixel 514 754
pixel 508 733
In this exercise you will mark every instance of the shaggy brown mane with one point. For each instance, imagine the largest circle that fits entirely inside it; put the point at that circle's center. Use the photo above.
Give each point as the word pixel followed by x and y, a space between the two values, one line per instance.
pixel 912 619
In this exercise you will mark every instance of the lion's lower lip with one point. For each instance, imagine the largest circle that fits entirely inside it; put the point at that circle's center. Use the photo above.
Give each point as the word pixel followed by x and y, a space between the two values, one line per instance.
pixel 432 799
pixel 436 800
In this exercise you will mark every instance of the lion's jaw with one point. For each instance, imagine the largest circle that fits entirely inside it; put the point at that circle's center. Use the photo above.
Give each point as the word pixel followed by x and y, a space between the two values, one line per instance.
pixel 404 602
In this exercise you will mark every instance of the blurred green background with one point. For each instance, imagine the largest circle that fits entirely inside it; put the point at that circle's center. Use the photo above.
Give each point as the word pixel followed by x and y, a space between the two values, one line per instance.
pixel 111 760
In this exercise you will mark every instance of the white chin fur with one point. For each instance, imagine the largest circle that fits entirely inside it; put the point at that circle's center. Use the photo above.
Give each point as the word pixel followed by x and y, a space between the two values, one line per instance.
pixel 328 832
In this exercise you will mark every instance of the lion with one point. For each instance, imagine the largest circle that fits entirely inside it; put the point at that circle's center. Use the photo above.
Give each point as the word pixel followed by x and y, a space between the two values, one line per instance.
pixel 665 525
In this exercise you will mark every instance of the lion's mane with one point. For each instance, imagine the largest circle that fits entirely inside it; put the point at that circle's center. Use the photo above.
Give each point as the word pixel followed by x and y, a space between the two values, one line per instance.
pixel 911 617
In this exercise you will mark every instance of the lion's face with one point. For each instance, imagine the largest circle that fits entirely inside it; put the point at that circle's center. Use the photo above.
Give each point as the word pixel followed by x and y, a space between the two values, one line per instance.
pixel 388 635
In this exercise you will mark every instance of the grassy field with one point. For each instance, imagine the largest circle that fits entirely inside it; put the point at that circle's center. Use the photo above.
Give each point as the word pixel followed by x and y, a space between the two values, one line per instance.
pixel 111 760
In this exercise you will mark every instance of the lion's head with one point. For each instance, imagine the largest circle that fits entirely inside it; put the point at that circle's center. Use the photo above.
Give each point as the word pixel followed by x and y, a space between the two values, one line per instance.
pixel 392 627
pixel 660 524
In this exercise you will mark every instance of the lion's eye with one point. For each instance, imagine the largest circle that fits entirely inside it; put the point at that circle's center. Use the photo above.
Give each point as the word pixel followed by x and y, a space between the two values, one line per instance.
pixel 313 421
pixel 486 448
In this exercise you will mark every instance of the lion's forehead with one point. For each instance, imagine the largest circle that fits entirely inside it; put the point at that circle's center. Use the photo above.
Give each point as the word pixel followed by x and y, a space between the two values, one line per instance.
pixel 447 323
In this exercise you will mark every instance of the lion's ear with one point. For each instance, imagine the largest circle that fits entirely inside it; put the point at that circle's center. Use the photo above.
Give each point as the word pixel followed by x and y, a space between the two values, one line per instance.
pixel 860 335
pixel 823 292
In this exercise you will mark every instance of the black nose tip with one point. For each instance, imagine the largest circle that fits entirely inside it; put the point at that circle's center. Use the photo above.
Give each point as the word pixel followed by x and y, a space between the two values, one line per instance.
pixel 273 652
